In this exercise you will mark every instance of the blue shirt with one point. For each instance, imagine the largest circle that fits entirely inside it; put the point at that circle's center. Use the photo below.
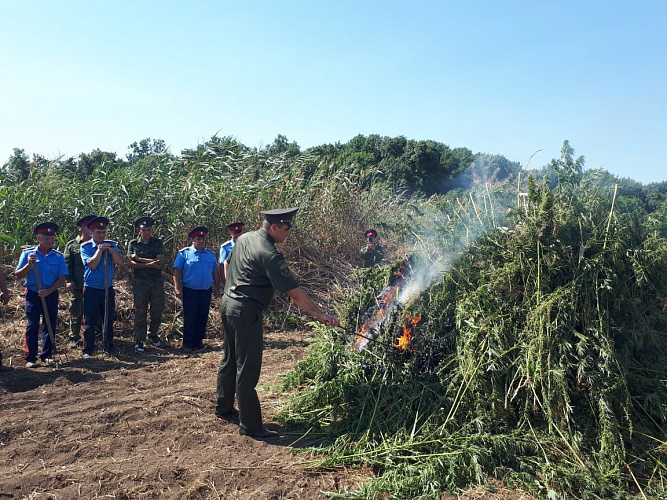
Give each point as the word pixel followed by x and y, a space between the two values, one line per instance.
pixel 197 267
pixel 225 250
pixel 51 267
pixel 94 278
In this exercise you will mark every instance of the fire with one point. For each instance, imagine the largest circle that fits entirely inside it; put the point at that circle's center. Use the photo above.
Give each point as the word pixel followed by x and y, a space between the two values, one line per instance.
pixel 387 305
pixel 403 342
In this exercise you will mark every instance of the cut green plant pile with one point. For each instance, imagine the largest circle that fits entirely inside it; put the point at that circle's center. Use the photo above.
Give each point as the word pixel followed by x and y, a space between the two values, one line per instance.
pixel 540 359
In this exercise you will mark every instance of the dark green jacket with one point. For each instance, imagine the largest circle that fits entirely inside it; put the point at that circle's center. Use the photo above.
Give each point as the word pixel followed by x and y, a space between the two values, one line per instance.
pixel 75 265
pixel 256 269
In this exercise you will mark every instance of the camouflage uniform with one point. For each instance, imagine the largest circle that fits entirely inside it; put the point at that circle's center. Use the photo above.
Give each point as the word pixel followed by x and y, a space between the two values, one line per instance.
pixel 372 257
pixel 148 289
pixel 75 267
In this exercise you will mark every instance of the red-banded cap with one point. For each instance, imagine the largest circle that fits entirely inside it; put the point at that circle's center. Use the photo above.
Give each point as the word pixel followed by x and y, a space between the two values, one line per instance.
pixel 198 231
pixel 236 227
pixel 47 228
pixel 83 221
pixel 98 223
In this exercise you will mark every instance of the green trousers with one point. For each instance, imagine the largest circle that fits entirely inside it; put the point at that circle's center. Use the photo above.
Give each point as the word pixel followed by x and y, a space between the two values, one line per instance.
pixel 241 362
pixel 147 293
pixel 75 315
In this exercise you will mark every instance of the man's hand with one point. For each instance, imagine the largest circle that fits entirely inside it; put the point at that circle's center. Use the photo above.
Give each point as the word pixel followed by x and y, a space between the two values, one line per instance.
pixel 43 293
pixel 179 293
pixel 329 320
pixel 70 287
pixel 32 258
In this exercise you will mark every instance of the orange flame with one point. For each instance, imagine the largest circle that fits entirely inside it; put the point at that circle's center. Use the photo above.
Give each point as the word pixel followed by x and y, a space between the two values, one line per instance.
pixel 403 342
pixel 386 303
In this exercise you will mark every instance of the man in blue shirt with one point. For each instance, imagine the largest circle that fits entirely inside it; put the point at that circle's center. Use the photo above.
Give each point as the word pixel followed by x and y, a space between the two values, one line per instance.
pixel 52 271
pixel 195 273
pixel 99 255
pixel 235 229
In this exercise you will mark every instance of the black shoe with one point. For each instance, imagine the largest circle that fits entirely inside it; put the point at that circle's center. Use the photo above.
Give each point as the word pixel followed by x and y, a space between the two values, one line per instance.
pixel 230 416
pixel 263 433
pixel 139 347
pixel 156 341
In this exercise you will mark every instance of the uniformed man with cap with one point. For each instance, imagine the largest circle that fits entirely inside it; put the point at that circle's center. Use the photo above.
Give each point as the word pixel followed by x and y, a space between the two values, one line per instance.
pixel 195 275
pixel 235 229
pixel 51 275
pixel 256 270
pixel 75 268
pixel 100 256
pixel 146 257
pixel 371 253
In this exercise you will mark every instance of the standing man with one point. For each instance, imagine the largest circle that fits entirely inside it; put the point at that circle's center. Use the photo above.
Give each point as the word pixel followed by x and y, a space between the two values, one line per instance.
pixel 75 268
pixel 146 257
pixel 99 300
pixel 256 270
pixel 46 271
pixel 371 253
pixel 235 229
pixel 4 298
pixel 195 273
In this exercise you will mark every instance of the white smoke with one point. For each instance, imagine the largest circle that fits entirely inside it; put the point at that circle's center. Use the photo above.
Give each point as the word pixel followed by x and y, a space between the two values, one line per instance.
pixel 421 278
pixel 445 231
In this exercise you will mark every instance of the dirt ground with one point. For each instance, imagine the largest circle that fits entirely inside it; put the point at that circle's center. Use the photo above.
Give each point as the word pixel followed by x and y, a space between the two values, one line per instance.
pixel 141 426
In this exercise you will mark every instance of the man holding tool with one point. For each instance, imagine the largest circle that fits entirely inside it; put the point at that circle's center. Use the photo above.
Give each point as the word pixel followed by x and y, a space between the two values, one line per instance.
pixel 45 271
pixel 371 253
pixel 257 269
pixel 99 256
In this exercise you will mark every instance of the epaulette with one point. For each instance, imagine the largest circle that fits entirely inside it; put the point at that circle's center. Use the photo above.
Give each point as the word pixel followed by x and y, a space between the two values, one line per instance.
pixel 57 251
pixel 29 247
pixel 109 241
pixel 182 249
pixel 87 242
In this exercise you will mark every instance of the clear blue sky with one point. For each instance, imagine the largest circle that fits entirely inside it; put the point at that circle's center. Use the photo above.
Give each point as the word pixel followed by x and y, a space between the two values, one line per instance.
pixel 506 77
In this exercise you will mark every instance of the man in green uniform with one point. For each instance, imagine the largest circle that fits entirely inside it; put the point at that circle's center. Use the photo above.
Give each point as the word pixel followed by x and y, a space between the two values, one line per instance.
pixel 74 285
pixel 146 257
pixel 256 269
pixel 371 253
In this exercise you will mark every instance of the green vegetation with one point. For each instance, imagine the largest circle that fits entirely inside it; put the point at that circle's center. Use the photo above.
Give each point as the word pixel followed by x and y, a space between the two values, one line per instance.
pixel 540 358
pixel 540 355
